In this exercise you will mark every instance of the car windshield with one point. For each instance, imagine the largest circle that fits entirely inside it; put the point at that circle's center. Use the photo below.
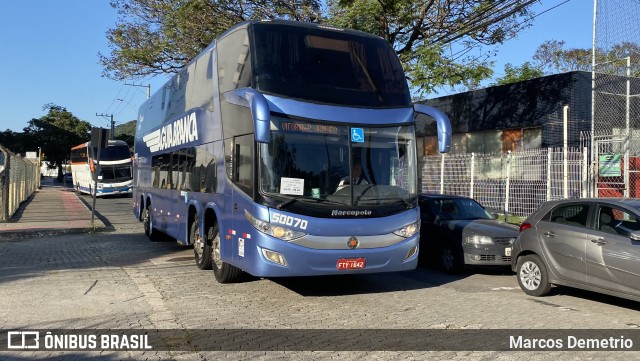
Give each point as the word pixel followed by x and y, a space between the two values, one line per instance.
pixel 316 162
pixel 459 209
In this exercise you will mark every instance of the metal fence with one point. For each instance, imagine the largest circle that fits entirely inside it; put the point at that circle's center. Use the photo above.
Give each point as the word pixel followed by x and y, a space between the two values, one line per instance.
pixel 512 183
pixel 615 132
pixel 19 178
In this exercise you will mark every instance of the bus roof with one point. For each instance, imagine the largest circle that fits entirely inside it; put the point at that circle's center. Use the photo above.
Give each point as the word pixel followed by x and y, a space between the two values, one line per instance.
pixel 249 23
pixel 110 143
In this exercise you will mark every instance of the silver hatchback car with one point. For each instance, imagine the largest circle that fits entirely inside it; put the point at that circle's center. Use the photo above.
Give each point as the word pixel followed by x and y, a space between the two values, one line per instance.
pixel 591 243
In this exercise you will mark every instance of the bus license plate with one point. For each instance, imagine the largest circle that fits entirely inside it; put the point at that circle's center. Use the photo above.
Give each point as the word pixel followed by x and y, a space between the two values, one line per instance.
pixel 351 263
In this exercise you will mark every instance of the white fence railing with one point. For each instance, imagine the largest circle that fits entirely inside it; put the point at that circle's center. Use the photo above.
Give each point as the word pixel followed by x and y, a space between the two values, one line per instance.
pixel 19 178
pixel 513 183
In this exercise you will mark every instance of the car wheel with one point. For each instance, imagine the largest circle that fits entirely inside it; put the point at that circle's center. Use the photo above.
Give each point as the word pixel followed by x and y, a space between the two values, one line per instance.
pixel 224 272
pixel 451 259
pixel 147 222
pixel 201 249
pixel 532 275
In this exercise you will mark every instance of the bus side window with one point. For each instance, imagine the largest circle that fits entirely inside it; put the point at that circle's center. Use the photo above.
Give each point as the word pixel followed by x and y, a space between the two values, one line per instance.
pixel 171 168
pixel 203 175
pixel 201 178
pixel 243 163
pixel 155 175
pixel 211 178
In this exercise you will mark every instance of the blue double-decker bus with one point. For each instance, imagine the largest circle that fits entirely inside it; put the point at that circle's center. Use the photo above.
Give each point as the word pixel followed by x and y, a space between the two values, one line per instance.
pixel 285 149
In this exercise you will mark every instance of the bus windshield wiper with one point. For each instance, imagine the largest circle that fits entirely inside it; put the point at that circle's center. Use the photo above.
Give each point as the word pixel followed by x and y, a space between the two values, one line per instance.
pixel 407 202
pixel 288 202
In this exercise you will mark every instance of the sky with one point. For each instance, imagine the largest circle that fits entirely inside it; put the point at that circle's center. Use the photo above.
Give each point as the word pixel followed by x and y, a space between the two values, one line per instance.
pixel 49 54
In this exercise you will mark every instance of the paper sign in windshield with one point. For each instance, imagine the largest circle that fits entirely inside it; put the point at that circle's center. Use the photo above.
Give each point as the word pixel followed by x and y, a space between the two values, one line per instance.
pixel 294 186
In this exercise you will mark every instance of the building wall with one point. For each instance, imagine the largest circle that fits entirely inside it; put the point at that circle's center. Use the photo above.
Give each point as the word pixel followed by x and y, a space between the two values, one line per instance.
pixel 524 115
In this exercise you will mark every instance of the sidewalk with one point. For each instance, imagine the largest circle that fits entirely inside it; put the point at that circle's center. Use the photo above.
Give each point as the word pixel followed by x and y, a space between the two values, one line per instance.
pixel 51 210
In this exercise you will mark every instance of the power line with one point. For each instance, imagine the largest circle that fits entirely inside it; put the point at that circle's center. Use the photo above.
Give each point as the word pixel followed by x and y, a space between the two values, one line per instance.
pixel 148 86
pixel 113 126
pixel 457 55
pixel 464 51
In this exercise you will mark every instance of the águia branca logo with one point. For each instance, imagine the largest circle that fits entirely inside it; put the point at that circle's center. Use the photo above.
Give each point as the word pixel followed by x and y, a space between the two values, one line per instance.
pixel 180 131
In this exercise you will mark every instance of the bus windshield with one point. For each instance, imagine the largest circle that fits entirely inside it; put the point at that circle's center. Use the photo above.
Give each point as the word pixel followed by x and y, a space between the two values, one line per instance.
pixel 328 66
pixel 318 162
pixel 115 173
pixel 112 153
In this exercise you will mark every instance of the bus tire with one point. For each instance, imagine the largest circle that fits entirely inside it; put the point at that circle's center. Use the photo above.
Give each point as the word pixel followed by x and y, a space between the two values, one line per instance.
pixel 224 272
pixel 147 221
pixel 201 248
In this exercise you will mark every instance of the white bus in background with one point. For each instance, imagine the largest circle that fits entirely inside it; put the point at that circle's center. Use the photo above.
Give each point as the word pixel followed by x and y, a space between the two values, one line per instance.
pixel 113 172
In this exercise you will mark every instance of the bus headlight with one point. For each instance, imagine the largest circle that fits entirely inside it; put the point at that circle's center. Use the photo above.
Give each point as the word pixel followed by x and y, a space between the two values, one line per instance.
pixel 408 230
pixel 278 231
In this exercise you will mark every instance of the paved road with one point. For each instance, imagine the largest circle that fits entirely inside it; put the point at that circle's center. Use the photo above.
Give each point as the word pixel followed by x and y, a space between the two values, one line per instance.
pixel 114 211
pixel 120 280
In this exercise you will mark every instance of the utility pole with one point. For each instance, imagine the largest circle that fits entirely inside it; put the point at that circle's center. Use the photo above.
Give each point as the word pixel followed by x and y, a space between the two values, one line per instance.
pixel 148 86
pixel 113 124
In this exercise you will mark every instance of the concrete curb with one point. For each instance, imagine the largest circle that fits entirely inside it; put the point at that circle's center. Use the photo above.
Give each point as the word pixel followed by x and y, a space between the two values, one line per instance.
pixel 8 236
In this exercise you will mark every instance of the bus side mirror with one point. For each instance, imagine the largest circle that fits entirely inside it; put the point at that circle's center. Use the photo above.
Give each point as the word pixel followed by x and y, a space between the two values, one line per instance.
pixel 444 126
pixel 259 112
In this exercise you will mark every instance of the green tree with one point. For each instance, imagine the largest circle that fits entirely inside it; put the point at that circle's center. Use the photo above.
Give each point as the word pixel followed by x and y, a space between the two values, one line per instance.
pixel 18 143
pixel 156 37
pixel 515 74
pixel 56 132
pixel 552 57
pixel 126 132
pixel 437 41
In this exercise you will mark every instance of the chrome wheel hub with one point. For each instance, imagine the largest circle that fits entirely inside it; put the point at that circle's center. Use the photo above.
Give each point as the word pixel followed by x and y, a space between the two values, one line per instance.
pixel 215 251
pixel 198 243
pixel 530 276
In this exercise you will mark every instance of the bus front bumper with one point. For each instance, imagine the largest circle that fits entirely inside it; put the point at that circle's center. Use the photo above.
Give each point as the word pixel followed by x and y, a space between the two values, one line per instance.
pixel 269 257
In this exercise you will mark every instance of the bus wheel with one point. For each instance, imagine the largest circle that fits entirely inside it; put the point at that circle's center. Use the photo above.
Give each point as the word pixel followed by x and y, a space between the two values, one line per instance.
pixel 201 249
pixel 148 225
pixel 224 272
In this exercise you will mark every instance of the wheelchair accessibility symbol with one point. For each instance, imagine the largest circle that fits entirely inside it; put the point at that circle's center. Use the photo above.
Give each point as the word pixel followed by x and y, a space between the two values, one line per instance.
pixel 357 135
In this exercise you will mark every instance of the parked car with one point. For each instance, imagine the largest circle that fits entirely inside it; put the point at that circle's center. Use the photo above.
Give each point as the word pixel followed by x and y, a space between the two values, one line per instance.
pixel 456 231
pixel 68 178
pixel 592 244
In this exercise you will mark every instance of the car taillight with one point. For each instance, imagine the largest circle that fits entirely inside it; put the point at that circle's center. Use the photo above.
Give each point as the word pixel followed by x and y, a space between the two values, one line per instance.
pixel 524 226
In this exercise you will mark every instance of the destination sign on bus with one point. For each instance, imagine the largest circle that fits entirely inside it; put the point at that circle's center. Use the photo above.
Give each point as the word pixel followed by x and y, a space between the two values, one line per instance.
pixel 309 128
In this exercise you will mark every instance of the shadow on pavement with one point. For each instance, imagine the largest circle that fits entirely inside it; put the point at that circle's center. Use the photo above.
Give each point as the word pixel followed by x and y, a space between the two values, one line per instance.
pixel 588 295
pixel 28 258
pixel 351 284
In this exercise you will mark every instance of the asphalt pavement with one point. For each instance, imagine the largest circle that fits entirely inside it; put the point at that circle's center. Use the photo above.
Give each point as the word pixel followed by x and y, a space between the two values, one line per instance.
pixel 52 210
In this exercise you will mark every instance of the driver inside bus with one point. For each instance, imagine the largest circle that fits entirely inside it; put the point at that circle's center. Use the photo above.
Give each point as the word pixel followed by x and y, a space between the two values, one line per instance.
pixel 356 177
